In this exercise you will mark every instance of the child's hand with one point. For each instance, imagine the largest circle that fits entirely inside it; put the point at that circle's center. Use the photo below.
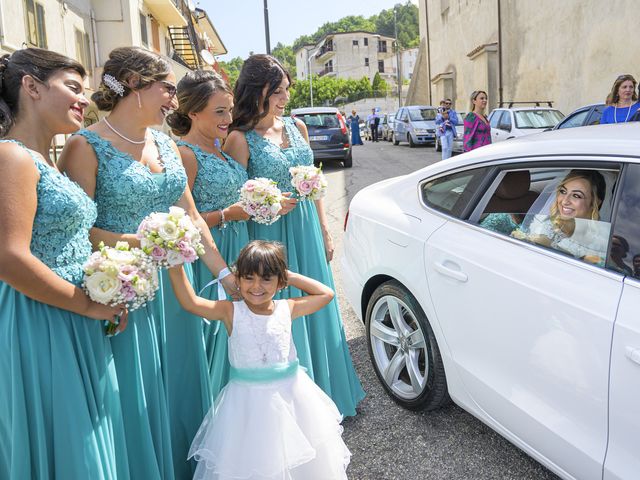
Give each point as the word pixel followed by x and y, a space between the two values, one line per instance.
pixel 288 203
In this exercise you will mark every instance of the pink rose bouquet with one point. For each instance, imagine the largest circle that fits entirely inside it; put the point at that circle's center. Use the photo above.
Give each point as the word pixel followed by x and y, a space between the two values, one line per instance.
pixel 260 198
pixel 309 182
pixel 170 239
pixel 120 275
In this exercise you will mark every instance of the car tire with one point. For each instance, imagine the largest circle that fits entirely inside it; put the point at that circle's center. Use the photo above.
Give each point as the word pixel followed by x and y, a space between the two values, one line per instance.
pixel 412 144
pixel 395 140
pixel 348 160
pixel 423 386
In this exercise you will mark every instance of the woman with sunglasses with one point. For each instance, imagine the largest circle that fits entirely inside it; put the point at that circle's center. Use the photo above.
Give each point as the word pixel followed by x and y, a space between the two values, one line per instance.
pixel 623 99
pixel 131 171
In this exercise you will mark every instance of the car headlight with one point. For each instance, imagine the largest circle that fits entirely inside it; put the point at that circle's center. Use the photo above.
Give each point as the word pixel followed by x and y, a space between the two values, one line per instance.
pixel 420 131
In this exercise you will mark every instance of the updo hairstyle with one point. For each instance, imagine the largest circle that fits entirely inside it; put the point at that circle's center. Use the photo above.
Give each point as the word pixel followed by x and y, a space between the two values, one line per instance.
pixel 123 64
pixel 38 63
pixel 194 92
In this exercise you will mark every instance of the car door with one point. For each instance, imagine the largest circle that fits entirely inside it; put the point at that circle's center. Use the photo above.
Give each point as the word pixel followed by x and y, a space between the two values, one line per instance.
pixel 503 131
pixel 596 114
pixel 400 129
pixel 529 330
pixel 576 119
pixel 622 459
pixel 494 120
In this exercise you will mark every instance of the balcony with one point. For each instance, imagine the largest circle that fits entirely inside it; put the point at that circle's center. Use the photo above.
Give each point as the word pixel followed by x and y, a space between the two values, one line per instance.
pixel 169 12
pixel 325 50
pixel 326 71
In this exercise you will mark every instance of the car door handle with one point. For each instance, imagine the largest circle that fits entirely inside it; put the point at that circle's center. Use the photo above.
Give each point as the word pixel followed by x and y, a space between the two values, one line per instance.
pixel 451 272
pixel 633 354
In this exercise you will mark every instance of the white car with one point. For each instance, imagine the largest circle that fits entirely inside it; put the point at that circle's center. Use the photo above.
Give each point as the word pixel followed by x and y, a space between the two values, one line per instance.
pixel 508 123
pixel 542 343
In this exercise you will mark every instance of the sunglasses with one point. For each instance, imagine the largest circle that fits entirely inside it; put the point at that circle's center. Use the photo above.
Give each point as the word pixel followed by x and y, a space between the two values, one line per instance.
pixel 169 87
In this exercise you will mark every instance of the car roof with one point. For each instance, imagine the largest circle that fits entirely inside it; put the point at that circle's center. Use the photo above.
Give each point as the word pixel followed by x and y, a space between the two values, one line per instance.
pixel 611 141
pixel 301 111
pixel 513 109
pixel 414 107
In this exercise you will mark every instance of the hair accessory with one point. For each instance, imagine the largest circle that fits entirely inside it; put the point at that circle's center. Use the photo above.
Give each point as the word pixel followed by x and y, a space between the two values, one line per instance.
pixel 114 84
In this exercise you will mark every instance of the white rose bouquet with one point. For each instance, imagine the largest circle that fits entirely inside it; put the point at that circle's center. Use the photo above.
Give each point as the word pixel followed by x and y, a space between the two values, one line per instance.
pixel 309 182
pixel 170 239
pixel 120 275
pixel 260 198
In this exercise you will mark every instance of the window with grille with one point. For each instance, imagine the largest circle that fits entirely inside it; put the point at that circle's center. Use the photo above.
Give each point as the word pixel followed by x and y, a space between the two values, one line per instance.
pixel 366 62
pixel 381 66
pixel 36 30
pixel 144 35
pixel 83 49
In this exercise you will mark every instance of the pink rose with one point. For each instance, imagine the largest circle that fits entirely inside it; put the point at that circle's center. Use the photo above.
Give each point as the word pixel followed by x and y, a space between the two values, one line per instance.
pixel 305 187
pixel 158 253
pixel 189 255
pixel 128 292
pixel 127 272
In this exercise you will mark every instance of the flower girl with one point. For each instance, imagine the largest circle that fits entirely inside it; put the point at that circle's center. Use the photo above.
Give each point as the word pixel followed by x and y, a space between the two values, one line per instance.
pixel 271 421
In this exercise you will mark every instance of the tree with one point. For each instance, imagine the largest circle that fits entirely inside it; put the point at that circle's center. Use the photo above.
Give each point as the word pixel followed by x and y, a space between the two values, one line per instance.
pixel 286 56
pixel 232 69
pixel 379 86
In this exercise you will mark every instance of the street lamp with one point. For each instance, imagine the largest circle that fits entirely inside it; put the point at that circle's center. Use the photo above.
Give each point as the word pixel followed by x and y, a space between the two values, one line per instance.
pixel 399 78
pixel 309 55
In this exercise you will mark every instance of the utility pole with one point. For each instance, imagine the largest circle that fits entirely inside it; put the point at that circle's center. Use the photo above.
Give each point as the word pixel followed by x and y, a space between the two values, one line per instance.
pixel 266 27
pixel 399 77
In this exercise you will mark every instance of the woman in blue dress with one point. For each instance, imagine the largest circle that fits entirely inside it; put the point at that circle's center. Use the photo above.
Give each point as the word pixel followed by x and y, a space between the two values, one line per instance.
pixel 354 124
pixel 202 121
pixel 623 101
pixel 131 171
pixel 60 411
pixel 270 144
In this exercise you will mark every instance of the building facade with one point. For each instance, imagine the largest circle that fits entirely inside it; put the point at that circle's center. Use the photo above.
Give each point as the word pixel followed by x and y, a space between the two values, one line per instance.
pixel 349 55
pixel 568 52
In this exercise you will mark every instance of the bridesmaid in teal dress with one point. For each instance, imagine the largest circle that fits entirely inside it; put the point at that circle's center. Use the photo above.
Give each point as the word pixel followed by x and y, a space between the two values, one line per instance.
pixel 202 120
pixel 60 413
pixel 271 144
pixel 132 171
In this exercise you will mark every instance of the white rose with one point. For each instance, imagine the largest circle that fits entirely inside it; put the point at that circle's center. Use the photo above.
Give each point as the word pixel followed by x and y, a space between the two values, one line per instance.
pixel 141 286
pixel 102 287
pixel 168 231
pixel 174 258
pixel 186 224
pixel 275 208
pixel 146 243
pixel 120 256
pixel 176 212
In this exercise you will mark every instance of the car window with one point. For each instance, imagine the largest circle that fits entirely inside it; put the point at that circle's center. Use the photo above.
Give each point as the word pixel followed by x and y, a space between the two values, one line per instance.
pixel 596 115
pixel 564 209
pixel 578 119
pixel 495 118
pixel 452 193
pixel 537 118
pixel 505 121
pixel 422 114
pixel 320 120
pixel 624 252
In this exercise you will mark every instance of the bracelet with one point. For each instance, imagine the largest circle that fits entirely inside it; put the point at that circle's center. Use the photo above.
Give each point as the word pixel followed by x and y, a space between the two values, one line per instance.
pixel 223 224
pixel 225 272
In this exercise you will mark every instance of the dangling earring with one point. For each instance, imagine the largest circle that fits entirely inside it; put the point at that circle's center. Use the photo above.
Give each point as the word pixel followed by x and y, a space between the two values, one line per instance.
pixel 139 102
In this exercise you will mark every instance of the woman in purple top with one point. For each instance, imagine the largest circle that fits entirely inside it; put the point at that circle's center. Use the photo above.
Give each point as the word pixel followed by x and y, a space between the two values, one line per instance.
pixel 477 131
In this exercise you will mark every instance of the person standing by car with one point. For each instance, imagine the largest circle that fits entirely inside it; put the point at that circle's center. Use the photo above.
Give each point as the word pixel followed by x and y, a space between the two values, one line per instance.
pixel 623 101
pixel 477 131
pixel 373 121
pixel 354 124
pixel 269 143
pixel 446 130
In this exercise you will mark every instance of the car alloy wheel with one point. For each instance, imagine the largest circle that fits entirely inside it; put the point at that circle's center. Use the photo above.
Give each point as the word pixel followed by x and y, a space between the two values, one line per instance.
pixel 395 140
pixel 412 144
pixel 403 349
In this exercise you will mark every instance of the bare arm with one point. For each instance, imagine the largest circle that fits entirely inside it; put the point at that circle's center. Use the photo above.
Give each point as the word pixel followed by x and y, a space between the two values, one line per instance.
pixel 78 160
pixel 237 148
pixel 211 309
pixel 18 266
pixel 324 224
pixel 318 295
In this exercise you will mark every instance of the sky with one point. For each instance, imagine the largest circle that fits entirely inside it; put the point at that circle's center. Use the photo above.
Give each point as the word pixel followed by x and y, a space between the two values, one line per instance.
pixel 240 23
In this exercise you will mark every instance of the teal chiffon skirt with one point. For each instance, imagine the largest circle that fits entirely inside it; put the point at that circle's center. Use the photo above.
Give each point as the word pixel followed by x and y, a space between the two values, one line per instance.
pixel 60 414
pixel 319 338
pixel 229 241
pixel 187 375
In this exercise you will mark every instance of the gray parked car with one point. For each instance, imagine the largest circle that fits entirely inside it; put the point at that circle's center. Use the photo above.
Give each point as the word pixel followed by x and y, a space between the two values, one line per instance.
pixel 387 128
pixel 416 125
pixel 328 134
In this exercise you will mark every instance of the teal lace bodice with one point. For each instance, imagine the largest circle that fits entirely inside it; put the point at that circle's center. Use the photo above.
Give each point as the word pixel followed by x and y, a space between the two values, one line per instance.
pixel 217 184
pixel 270 161
pixel 126 190
pixel 64 215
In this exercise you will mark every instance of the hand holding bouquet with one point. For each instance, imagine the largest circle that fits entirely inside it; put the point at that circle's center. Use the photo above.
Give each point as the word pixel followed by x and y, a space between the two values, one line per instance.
pixel 260 198
pixel 170 239
pixel 120 275
pixel 309 182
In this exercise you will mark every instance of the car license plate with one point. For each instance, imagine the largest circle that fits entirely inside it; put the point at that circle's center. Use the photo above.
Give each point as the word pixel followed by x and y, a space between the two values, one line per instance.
pixel 318 138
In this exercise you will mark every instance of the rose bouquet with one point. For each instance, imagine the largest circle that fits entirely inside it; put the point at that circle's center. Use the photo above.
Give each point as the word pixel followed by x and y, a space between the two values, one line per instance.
pixel 309 182
pixel 170 239
pixel 120 275
pixel 260 198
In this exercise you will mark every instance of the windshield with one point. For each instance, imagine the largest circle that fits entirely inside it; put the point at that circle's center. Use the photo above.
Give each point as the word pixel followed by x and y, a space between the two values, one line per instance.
pixel 537 118
pixel 422 114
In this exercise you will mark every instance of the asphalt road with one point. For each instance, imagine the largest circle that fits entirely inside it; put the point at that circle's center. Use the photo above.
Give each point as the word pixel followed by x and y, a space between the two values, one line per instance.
pixel 386 441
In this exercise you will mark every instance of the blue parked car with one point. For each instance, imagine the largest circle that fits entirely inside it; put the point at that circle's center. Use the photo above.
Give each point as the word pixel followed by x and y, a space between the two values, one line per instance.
pixel 416 125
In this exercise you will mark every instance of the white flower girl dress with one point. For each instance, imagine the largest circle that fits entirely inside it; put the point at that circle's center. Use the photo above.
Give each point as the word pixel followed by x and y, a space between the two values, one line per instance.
pixel 271 422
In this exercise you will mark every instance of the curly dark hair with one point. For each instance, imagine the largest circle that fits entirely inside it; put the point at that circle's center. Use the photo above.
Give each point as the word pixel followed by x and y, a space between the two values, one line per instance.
pixel 257 72
pixel 194 91
pixel 36 62
pixel 123 64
